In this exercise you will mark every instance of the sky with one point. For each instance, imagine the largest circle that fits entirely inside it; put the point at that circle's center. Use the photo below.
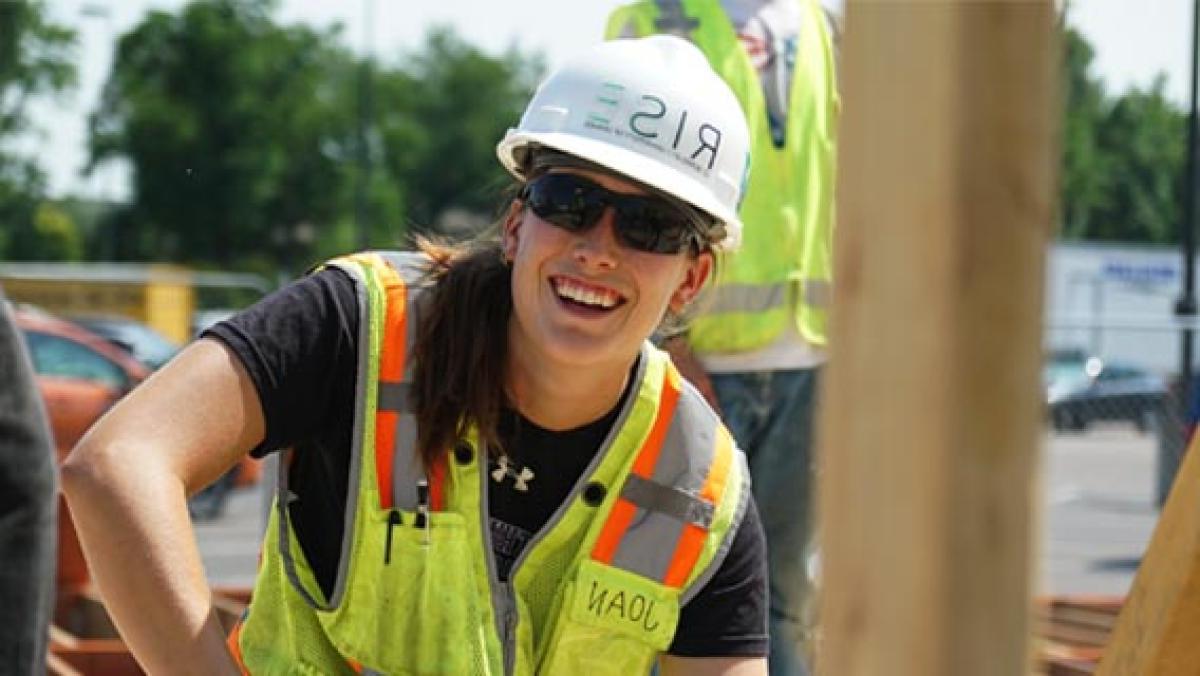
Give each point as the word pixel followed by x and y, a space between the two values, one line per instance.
pixel 1134 40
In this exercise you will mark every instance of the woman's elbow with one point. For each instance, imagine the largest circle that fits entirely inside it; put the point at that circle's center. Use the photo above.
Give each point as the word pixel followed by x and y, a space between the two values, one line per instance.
pixel 87 468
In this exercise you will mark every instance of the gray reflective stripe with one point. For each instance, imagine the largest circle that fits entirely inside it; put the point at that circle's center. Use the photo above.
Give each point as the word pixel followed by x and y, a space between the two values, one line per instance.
pixel 394 397
pixel 818 292
pixel 410 264
pixel 750 298
pixel 719 557
pixel 683 463
pixel 371 672
pixel 754 298
pixel 672 19
pixel 283 497
pixel 655 497
pixel 410 330
pixel 406 467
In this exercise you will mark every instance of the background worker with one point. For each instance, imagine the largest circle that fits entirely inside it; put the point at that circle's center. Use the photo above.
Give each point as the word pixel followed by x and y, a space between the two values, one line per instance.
pixel 757 346
pixel 28 508
pixel 495 472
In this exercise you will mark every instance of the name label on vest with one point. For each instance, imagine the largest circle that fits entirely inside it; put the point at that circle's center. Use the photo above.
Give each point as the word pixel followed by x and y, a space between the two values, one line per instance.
pixel 616 600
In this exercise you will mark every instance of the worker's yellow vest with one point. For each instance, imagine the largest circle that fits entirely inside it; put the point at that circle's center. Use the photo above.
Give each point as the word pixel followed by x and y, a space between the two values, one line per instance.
pixel 784 269
pixel 597 591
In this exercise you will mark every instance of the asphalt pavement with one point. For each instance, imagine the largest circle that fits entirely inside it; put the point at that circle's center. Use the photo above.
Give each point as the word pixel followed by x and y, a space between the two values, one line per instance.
pixel 1096 518
pixel 1098 511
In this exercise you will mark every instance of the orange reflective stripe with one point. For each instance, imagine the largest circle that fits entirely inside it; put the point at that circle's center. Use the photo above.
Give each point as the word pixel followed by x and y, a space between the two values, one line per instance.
pixel 391 362
pixel 437 485
pixel 393 350
pixel 385 444
pixel 235 647
pixel 691 541
pixel 354 665
pixel 614 528
pixel 623 511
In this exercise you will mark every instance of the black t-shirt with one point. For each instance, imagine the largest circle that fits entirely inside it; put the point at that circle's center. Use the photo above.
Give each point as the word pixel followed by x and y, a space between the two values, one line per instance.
pixel 299 347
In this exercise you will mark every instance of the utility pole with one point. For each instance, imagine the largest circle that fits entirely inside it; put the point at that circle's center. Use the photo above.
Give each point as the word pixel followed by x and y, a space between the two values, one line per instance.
pixel 103 193
pixel 1171 448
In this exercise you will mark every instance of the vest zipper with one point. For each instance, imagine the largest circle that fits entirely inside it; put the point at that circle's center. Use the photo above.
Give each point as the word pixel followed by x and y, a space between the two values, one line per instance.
pixel 503 593
pixel 393 521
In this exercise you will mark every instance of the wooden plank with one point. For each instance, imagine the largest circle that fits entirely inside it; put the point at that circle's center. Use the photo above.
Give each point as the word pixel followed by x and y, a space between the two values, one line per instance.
pixel 1158 632
pixel 932 407
pixel 57 666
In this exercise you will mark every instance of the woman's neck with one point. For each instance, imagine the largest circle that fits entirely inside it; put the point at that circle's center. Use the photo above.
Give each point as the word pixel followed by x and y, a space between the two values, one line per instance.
pixel 562 397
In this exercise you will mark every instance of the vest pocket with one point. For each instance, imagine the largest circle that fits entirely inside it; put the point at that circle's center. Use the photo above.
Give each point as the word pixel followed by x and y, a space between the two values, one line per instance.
pixel 410 605
pixel 610 622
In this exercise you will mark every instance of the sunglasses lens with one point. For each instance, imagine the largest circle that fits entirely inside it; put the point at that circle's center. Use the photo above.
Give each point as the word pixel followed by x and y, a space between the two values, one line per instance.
pixel 644 223
pixel 563 201
pixel 653 226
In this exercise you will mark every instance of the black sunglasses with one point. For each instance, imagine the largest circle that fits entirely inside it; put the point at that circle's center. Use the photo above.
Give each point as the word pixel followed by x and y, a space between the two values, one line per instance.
pixel 643 222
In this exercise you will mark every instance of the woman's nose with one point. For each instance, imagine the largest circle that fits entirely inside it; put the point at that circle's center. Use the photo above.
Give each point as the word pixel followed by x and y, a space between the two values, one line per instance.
pixel 598 244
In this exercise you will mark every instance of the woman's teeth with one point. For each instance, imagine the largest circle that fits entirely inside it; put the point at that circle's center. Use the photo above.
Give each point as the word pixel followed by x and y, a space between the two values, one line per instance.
pixel 586 296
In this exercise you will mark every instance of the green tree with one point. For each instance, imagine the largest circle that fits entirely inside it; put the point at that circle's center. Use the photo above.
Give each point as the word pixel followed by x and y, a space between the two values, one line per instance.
pixel 238 131
pixel 440 116
pixel 1144 137
pixel 35 59
pixel 1082 168
pixel 1123 157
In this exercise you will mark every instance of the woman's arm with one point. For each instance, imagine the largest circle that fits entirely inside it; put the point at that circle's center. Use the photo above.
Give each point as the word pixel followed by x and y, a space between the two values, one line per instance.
pixel 713 666
pixel 127 484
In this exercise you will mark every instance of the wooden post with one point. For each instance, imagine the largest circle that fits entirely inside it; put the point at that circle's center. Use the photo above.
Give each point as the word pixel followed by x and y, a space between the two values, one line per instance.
pixel 932 415
pixel 1158 631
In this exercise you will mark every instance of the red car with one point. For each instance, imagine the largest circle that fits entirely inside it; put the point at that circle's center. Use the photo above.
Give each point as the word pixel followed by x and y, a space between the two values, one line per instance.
pixel 80 375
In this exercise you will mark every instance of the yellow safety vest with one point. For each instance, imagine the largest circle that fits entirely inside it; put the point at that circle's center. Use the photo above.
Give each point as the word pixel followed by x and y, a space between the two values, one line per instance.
pixel 784 269
pixel 597 591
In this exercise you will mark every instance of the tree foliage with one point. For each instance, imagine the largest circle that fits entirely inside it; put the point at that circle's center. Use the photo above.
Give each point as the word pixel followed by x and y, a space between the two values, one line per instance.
pixel 35 59
pixel 440 115
pixel 1123 157
pixel 244 136
pixel 237 130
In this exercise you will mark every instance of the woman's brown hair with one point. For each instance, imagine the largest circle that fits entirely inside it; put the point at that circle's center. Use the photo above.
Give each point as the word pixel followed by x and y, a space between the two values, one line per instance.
pixel 461 343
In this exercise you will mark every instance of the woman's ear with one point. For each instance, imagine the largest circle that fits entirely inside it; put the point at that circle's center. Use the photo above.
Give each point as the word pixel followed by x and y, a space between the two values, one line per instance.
pixel 694 276
pixel 511 234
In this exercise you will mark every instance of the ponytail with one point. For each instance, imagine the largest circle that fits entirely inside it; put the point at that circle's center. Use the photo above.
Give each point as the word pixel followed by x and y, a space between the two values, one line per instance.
pixel 461 345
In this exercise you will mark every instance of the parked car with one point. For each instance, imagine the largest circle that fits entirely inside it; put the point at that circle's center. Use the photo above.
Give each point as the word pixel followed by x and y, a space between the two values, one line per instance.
pixel 80 374
pixel 1082 391
pixel 145 344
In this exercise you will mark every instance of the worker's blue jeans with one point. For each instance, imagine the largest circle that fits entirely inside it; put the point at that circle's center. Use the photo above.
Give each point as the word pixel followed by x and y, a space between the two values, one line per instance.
pixel 771 415
pixel 27 511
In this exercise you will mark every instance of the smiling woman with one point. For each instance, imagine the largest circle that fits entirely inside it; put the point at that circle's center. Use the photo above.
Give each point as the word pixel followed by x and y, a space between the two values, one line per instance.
pixel 492 469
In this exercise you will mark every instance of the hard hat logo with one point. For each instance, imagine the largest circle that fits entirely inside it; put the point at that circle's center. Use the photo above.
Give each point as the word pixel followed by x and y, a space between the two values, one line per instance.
pixel 651 109
pixel 707 137
pixel 649 119
pixel 608 103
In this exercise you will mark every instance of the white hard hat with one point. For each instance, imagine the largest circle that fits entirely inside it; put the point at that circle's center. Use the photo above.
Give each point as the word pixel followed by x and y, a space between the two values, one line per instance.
pixel 651 109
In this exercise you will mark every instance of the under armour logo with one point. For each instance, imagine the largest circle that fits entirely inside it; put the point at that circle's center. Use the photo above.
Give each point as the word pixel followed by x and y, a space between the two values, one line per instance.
pixel 520 479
